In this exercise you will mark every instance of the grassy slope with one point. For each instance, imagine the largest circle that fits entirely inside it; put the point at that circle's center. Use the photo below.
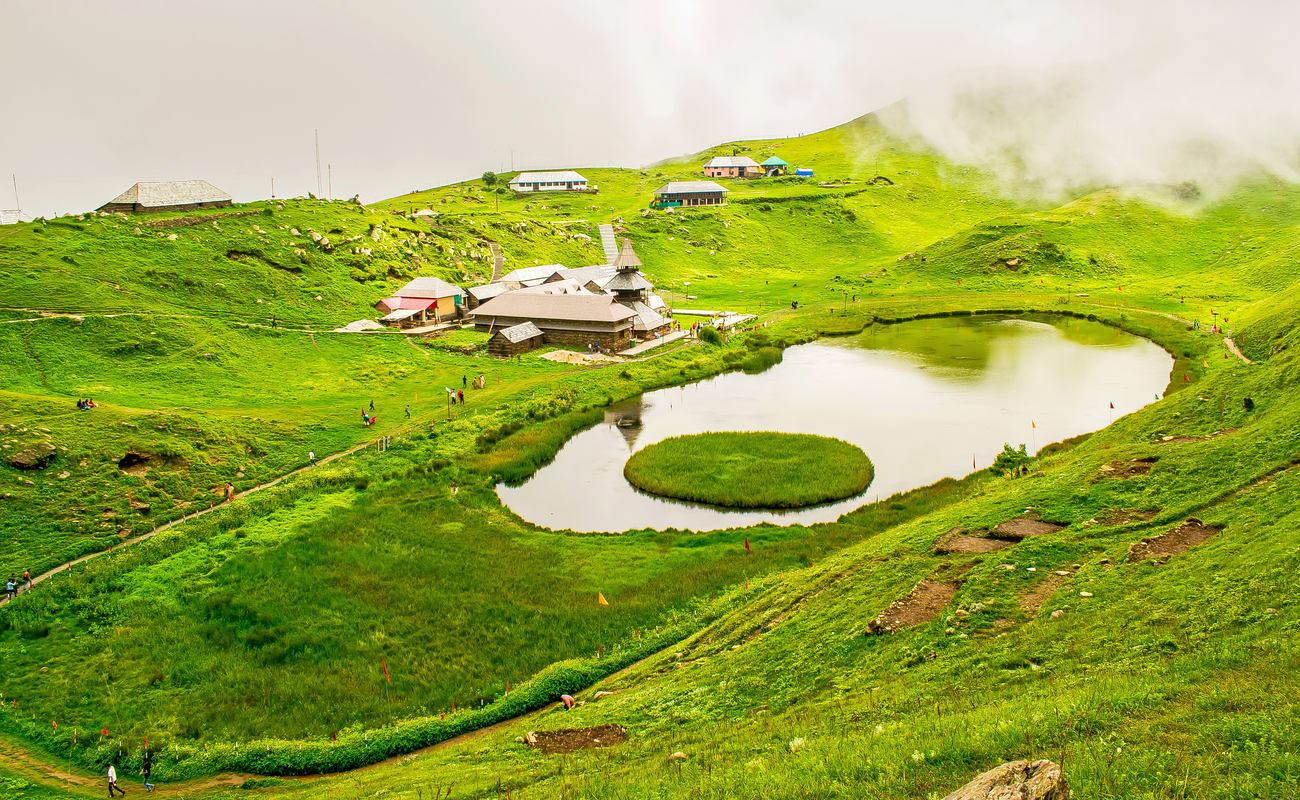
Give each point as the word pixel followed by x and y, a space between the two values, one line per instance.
pixel 812 675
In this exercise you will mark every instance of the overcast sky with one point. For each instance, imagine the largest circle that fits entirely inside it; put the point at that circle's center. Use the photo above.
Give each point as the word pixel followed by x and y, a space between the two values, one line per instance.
pixel 411 94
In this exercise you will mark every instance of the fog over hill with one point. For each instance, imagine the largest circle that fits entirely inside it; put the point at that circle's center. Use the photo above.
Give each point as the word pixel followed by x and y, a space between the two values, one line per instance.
pixel 412 94
pixel 1155 93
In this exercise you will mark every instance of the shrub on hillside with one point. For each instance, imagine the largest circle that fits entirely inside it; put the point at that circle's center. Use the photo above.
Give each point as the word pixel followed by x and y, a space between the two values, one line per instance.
pixel 710 335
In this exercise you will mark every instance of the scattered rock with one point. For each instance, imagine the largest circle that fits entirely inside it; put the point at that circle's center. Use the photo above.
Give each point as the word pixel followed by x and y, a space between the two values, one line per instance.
pixel 1017 780
pixel 600 694
pixel 568 740
pixel 1179 540
pixel 679 755
pixel 1058 613
pixel 171 237
pixel 1085 594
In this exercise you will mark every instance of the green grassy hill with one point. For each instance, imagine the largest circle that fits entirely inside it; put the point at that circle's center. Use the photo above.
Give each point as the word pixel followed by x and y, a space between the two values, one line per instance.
pixel 247 639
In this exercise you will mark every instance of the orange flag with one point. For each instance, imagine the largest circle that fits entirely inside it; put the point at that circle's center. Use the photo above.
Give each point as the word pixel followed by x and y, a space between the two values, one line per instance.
pixel 384 662
pixel 747 550
pixel 600 599
pixel 1033 424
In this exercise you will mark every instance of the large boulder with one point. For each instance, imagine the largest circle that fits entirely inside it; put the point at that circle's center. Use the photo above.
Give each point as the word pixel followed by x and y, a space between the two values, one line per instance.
pixel 36 456
pixel 1017 780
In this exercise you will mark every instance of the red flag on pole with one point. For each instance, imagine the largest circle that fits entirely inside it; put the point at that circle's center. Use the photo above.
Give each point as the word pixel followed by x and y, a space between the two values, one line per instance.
pixel 747 550
pixel 104 730
pixel 146 742
pixel 1186 379
pixel 383 661
pixel 1112 406
pixel 54 725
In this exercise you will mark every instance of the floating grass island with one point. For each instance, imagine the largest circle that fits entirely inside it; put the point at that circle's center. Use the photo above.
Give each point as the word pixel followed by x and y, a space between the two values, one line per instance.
pixel 751 470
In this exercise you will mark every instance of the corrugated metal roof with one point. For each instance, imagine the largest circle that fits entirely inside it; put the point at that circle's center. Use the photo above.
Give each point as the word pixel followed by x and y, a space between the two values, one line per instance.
pixel 430 287
pixel 647 319
pixel 401 314
pixel 562 286
pixel 531 275
pixel 171 193
pixel 562 176
pixel 571 307
pixel 521 332
pixel 487 291
pixel 597 273
pixel 731 161
pixel 689 187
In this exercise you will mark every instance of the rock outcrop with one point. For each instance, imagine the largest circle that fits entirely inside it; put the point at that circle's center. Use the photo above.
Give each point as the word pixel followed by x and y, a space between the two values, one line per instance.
pixel 35 456
pixel 1017 780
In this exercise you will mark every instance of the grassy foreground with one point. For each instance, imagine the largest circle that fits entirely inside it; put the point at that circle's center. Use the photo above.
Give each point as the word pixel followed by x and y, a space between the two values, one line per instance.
pixel 758 469
pixel 247 640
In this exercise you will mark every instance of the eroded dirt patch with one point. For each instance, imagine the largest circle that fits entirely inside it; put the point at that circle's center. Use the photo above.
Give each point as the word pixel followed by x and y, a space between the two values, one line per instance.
pixel 1123 516
pixel 926 600
pixel 1024 526
pixel 134 463
pixel 1129 469
pixel 958 540
pixel 570 739
pixel 1179 439
pixel 1032 600
pixel 1179 540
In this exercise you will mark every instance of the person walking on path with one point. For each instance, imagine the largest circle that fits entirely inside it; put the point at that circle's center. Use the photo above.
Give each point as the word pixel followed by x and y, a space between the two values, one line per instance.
pixel 27 580
pixel 372 406
pixel 112 782
pixel 464 381
pixel 146 769
pixel 460 396
pixel 408 412
pixel 311 458
pixel 11 588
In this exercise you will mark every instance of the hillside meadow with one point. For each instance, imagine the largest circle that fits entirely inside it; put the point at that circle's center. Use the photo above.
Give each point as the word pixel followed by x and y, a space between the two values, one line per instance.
pixel 256 639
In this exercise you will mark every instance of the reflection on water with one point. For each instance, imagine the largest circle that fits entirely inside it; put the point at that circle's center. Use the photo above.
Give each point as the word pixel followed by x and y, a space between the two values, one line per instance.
pixel 924 399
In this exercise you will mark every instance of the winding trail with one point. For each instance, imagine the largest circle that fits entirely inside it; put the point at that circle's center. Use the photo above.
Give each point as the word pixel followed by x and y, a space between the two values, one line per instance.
pixel 1236 351
pixel 196 514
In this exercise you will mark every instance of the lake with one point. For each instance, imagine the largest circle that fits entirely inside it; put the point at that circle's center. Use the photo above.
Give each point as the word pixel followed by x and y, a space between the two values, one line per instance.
pixel 926 400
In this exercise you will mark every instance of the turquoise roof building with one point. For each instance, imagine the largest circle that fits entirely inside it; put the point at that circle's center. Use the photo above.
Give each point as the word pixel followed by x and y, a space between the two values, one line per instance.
pixel 775 161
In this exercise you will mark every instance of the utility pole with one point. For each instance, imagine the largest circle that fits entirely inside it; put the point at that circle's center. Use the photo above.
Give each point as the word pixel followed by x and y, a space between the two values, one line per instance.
pixel 18 206
pixel 319 188
pixel 272 187
pixel 329 172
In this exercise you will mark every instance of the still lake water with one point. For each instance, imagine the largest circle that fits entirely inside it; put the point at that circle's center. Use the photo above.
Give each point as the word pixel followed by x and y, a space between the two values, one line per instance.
pixel 924 399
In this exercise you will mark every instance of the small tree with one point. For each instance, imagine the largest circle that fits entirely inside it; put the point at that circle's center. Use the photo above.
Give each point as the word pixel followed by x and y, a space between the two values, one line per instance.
pixel 1011 461
pixel 489 178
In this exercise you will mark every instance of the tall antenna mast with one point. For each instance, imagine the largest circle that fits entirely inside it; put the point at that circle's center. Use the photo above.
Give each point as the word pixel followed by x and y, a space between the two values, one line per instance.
pixel 272 187
pixel 17 203
pixel 319 188
pixel 329 172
